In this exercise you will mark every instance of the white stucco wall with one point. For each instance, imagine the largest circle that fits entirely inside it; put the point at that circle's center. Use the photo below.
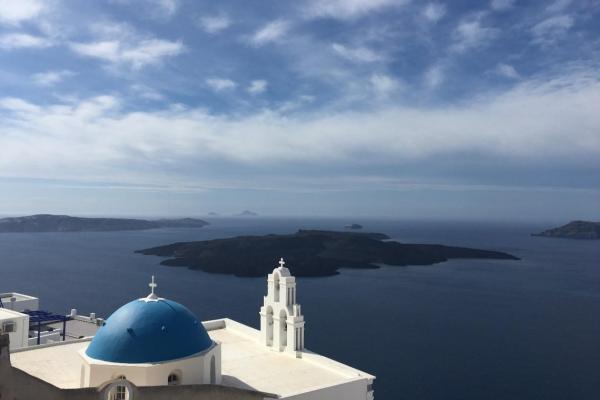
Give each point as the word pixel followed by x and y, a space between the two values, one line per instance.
pixel 191 370
pixel 18 338
pixel 353 390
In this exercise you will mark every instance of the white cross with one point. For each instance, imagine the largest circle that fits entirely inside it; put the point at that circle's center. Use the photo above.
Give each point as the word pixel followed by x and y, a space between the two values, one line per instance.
pixel 281 262
pixel 152 285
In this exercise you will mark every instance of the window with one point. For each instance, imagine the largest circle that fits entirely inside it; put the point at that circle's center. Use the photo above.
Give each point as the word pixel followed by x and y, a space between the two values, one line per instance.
pixel 173 379
pixel 119 391
pixel 8 327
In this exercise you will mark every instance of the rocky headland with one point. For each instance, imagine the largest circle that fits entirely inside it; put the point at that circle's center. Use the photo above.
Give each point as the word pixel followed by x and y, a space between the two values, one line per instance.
pixel 574 230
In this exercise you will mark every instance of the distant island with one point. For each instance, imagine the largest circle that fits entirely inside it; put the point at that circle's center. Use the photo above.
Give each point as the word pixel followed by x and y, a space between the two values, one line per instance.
pixel 308 253
pixel 247 213
pixel 574 230
pixel 353 226
pixel 66 223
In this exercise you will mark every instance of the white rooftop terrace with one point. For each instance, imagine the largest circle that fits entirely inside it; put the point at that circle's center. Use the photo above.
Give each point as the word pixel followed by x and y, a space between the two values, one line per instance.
pixel 246 364
pixel 19 302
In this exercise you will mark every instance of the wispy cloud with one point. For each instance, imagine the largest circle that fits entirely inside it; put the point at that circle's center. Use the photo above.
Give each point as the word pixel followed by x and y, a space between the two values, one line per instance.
pixel 348 9
pixel 357 54
pixel 146 92
pixel 13 12
pixel 168 7
pixel 507 71
pixel 558 6
pixel 552 29
pixel 502 5
pixel 471 33
pixel 433 12
pixel 434 76
pixel 270 32
pixel 11 41
pixel 384 84
pixel 137 54
pixel 154 9
pixel 214 24
pixel 257 86
pixel 51 78
pixel 220 84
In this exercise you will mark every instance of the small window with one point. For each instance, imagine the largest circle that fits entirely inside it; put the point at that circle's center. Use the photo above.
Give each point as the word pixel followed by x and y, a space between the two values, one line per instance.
pixel 8 327
pixel 173 380
pixel 120 391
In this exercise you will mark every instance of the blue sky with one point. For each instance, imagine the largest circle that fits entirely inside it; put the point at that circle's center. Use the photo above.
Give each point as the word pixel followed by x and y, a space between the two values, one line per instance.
pixel 484 110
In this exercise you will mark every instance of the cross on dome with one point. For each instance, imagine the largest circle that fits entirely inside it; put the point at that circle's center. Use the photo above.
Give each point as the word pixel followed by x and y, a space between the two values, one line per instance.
pixel 153 285
pixel 281 263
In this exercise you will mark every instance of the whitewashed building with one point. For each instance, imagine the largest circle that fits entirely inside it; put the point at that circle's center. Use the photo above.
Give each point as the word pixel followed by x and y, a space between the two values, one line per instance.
pixel 156 348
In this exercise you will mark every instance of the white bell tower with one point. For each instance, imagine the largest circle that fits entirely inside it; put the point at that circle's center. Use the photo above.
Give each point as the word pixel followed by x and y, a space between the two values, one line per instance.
pixel 281 320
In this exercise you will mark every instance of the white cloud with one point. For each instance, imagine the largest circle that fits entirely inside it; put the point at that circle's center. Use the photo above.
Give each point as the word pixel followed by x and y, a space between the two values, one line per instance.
pixel 167 7
pixel 13 12
pixel 146 92
pixel 552 29
pixel 257 86
pixel 154 9
pixel 502 5
pixel 137 54
pixel 214 24
pixel 434 12
pixel 11 41
pixel 471 33
pixel 220 84
pixel 97 139
pixel 558 6
pixel 358 54
pixel 434 76
pixel 348 9
pixel 384 84
pixel 51 78
pixel 271 32
pixel 508 71
pixel 18 105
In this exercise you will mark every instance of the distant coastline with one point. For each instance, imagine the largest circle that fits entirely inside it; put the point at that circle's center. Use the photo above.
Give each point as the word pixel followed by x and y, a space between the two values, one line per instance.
pixel 309 253
pixel 66 223
pixel 582 230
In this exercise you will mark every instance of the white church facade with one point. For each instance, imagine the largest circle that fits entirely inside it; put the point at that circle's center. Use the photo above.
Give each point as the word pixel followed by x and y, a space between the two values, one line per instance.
pixel 155 348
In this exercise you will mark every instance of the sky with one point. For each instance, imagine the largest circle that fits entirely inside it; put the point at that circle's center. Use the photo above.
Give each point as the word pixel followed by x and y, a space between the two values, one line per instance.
pixel 351 108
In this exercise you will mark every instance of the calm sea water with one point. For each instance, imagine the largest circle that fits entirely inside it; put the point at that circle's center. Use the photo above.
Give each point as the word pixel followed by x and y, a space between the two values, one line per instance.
pixel 465 329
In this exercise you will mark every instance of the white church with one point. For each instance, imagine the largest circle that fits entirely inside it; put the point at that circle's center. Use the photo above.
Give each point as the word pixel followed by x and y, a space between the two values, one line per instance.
pixel 156 348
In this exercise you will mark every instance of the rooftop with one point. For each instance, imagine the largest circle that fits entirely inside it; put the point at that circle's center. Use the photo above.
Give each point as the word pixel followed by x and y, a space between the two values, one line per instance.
pixel 246 364
pixel 59 364
pixel 17 296
pixel 8 314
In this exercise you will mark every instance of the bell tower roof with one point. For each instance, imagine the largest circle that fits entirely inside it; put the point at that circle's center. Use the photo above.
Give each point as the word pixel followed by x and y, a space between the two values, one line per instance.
pixel 282 270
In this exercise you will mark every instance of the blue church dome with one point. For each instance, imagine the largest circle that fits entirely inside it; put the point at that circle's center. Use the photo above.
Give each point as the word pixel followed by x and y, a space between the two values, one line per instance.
pixel 149 330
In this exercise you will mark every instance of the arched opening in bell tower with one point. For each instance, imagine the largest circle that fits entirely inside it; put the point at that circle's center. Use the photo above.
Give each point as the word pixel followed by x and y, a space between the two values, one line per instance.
pixel 283 328
pixel 269 326
pixel 276 286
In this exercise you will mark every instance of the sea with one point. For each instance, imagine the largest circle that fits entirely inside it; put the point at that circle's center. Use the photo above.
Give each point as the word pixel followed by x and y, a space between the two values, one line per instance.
pixel 462 329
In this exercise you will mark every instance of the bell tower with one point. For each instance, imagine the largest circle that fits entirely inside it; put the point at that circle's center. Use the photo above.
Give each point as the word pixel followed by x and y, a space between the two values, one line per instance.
pixel 281 319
